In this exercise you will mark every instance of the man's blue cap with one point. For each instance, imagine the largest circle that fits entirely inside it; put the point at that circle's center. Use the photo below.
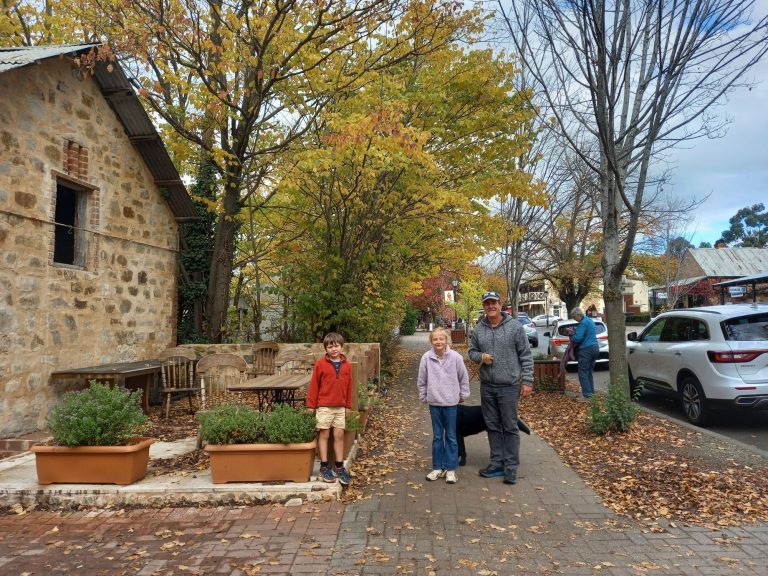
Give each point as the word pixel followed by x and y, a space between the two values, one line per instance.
pixel 491 296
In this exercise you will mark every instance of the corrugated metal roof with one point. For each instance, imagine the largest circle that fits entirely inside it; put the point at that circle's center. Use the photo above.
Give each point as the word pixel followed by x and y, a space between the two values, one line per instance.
pixel 16 57
pixel 761 277
pixel 119 94
pixel 734 262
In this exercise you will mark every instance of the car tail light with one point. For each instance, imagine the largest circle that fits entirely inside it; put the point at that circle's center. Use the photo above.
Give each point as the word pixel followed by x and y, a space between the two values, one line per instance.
pixel 734 356
pixel 560 341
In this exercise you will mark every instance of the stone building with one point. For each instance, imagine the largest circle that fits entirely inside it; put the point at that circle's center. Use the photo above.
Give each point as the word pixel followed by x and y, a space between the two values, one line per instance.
pixel 90 212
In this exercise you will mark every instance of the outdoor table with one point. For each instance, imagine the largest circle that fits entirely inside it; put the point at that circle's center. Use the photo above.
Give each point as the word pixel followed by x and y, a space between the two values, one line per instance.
pixel 273 389
pixel 130 375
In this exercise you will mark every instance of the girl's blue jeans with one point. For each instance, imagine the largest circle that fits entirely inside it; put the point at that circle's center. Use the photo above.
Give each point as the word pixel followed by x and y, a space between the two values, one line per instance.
pixel 445 449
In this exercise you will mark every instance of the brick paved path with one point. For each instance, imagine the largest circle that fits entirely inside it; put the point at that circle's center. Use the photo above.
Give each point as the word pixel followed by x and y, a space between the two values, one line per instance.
pixel 550 523
pixel 234 541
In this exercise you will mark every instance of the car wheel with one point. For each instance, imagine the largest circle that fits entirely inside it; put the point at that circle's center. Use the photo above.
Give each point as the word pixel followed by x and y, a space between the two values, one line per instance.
pixel 694 401
pixel 635 390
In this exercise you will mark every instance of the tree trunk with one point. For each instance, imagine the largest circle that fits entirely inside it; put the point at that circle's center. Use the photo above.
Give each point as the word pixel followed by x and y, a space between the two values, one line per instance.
pixel 221 260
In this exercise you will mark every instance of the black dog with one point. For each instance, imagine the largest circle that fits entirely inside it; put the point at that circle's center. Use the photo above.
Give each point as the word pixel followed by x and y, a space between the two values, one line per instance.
pixel 469 420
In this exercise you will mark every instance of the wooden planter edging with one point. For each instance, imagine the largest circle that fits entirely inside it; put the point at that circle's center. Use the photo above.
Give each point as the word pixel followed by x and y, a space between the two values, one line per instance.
pixel 261 462
pixel 458 336
pixel 548 370
pixel 92 464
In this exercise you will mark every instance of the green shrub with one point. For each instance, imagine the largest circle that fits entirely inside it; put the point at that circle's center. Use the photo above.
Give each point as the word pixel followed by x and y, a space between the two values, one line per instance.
pixel 615 413
pixel 637 318
pixel 100 415
pixel 287 425
pixel 352 422
pixel 411 319
pixel 541 356
pixel 232 424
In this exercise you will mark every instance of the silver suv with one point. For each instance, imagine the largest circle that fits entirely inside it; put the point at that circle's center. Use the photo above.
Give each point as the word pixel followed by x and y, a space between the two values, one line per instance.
pixel 709 357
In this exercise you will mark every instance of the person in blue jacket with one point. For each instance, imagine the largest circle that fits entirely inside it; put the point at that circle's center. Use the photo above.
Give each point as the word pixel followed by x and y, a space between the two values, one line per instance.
pixel 586 339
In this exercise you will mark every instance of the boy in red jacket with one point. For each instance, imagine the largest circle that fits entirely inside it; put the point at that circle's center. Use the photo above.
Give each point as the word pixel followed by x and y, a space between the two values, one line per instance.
pixel 330 398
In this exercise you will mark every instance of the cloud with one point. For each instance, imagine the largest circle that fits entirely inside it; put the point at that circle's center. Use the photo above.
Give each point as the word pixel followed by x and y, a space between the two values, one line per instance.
pixel 733 169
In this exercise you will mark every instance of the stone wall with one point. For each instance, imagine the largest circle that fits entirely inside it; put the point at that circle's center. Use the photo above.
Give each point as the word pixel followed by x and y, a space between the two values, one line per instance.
pixel 119 302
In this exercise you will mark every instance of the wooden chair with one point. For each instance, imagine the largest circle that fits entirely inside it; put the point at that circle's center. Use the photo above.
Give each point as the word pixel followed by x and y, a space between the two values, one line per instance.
pixel 178 375
pixel 219 370
pixel 216 372
pixel 295 363
pixel 264 355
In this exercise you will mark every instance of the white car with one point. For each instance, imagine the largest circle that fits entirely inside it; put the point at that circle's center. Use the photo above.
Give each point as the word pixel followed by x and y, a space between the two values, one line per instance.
pixel 560 337
pixel 545 320
pixel 709 357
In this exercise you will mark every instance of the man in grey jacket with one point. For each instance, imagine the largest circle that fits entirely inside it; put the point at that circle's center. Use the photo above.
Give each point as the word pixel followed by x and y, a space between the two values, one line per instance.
pixel 500 346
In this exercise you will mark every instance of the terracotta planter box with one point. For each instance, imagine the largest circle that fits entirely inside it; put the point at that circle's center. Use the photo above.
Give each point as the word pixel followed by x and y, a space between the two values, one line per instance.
pixel 548 369
pixel 261 462
pixel 92 464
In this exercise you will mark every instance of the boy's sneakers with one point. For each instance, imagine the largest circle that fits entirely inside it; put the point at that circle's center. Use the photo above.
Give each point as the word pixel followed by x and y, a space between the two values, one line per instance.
pixel 435 474
pixel 450 477
pixel 326 475
pixel 342 475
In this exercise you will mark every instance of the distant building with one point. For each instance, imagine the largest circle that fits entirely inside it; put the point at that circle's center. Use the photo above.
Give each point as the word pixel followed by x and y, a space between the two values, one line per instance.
pixel 701 268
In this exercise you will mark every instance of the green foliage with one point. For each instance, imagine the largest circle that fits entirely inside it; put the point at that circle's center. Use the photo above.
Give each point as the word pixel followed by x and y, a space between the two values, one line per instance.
pixel 287 425
pixel 749 228
pixel 195 257
pixel 352 422
pixel 638 318
pixel 232 424
pixel 540 356
pixel 241 424
pixel 100 415
pixel 408 325
pixel 614 413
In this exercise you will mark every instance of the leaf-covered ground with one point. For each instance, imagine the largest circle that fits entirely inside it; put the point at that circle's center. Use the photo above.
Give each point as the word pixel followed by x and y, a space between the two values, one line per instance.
pixel 659 472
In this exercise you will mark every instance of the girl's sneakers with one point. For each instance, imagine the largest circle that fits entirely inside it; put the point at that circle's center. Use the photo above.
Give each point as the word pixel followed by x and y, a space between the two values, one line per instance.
pixel 450 477
pixel 435 474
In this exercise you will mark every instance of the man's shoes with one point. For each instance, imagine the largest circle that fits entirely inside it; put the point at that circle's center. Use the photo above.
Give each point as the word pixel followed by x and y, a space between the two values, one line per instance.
pixel 435 474
pixel 510 479
pixel 342 475
pixel 450 477
pixel 326 475
pixel 491 472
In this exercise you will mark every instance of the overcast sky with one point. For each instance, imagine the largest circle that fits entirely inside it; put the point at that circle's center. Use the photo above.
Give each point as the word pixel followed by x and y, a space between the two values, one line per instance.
pixel 733 169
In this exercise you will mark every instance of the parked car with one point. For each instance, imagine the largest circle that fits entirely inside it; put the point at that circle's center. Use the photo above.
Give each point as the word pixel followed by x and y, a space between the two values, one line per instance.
pixel 560 337
pixel 530 330
pixel 710 357
pixel 545 320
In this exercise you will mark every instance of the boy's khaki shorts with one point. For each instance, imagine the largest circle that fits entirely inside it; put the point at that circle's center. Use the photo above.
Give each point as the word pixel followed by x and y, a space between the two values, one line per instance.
pixel 327 417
